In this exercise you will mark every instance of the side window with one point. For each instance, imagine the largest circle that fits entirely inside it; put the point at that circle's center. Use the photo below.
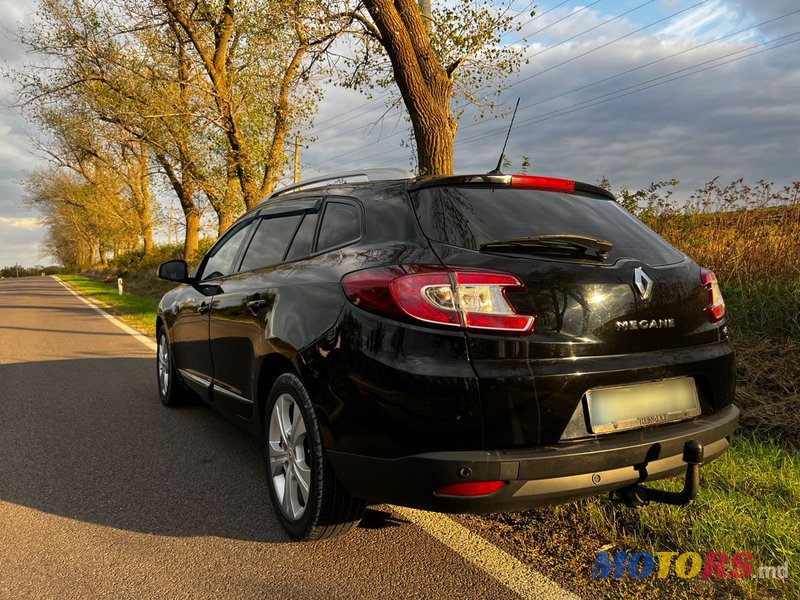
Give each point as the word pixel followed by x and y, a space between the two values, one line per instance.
pixel 220 260
pixel 303 242
pixel 341 223
pixel 269 242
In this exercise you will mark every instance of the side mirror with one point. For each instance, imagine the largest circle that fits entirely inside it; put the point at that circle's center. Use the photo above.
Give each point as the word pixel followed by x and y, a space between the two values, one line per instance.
pixel 174 270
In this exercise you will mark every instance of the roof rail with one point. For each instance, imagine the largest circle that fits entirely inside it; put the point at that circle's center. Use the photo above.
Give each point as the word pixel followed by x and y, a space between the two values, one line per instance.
pixel 369 174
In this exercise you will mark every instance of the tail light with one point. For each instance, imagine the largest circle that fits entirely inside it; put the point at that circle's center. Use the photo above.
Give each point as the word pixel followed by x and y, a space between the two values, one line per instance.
pixel 470 488
pixel 715 309
pixel 475 300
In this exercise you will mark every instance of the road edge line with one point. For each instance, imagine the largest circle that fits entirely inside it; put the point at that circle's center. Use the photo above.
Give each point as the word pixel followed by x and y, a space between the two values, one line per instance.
pixel 151 345
pixel 496 562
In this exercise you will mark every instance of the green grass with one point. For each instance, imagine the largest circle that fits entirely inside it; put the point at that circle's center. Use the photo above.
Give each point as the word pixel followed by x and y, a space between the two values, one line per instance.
pixel 137 311
pixel 749 501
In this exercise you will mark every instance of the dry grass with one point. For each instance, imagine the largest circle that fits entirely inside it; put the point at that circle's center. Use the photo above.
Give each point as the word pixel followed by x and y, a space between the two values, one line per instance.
pixel 768 388
pixel 745 234
pixel 750 237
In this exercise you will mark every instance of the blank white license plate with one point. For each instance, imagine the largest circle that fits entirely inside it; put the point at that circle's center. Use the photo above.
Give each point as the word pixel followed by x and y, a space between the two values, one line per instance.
pixel 621 407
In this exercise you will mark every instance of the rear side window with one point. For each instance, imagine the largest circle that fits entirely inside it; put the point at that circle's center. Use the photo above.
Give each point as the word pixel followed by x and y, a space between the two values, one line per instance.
pixel 341 224
pixel 269 242
pixel 303 242
pixel 468 217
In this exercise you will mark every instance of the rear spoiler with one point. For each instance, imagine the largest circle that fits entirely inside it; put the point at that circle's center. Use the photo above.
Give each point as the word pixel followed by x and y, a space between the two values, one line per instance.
pixel 534 182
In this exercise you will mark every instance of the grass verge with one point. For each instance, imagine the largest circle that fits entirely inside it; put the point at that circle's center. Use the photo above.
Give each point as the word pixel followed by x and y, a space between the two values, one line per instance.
pixel 137 311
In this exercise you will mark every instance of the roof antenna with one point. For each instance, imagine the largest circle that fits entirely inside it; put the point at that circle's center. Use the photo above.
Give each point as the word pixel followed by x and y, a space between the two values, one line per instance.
pixel 497 170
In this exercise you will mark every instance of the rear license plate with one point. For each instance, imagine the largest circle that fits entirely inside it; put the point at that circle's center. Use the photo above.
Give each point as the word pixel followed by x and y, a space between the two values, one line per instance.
pixel 621 407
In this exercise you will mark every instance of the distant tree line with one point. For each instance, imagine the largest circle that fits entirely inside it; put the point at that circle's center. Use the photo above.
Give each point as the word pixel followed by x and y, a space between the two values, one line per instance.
pixel 196 99
pixel 20 271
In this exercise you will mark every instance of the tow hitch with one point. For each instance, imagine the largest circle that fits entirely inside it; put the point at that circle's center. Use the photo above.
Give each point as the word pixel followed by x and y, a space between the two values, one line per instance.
pixel 637 495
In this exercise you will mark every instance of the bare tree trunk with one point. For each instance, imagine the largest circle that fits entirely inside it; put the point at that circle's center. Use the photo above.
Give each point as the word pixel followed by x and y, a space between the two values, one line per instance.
pixel 225 203
pixel 146 199
pixel 191 240
pixel 185 190
pixel 225 221
pixel 101 253
pixel 434 147
pixel 425 85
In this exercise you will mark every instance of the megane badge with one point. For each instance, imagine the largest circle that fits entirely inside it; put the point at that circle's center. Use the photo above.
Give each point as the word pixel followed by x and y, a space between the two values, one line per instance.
pixel 644 285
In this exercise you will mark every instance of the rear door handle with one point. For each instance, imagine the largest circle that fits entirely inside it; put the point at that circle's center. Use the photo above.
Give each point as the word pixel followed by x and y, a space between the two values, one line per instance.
pixel 204 308
pixel 256 306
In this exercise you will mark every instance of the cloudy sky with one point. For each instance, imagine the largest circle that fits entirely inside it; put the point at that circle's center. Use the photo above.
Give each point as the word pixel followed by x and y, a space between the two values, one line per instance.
pixel 636 91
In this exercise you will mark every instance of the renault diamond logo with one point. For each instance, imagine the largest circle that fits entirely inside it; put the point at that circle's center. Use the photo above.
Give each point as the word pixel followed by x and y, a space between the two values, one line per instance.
pixel 643 283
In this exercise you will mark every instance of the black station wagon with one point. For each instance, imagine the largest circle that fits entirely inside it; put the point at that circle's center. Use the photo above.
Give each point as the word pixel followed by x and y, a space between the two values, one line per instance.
pixel 459 344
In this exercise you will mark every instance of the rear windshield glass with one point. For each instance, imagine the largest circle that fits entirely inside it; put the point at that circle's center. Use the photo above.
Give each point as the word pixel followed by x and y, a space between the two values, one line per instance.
pixel 468 217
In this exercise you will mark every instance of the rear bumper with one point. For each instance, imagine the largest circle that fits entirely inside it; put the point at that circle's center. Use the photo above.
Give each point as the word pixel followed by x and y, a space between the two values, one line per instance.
pixel 535 477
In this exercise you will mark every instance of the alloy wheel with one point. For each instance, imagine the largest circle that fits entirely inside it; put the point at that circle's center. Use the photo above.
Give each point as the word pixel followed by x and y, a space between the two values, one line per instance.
pixel 163 364
pixel 289 468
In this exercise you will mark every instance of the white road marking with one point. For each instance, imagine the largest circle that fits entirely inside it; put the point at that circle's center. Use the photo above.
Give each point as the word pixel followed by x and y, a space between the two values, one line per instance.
pixel 497 563
pixel 503 567
pixel 129 330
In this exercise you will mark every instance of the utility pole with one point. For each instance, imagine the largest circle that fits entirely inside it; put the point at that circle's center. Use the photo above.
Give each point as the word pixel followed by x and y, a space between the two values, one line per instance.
pixel 297 158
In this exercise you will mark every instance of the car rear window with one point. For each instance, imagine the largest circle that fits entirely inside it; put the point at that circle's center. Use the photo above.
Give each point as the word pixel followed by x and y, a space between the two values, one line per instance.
pixel 468 217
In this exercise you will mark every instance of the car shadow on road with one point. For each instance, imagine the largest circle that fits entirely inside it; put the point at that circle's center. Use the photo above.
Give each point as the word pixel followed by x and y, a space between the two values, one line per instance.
pixel 88 439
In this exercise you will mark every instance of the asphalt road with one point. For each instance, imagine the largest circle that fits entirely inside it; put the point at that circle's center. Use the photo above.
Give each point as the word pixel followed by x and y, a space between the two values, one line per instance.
pixel 105 493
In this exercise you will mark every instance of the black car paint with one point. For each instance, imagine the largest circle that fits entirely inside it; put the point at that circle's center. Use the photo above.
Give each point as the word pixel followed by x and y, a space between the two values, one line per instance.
pixel 389 390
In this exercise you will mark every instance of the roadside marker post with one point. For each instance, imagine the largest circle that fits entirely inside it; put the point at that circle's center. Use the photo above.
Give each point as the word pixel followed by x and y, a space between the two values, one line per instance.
pixel 119 285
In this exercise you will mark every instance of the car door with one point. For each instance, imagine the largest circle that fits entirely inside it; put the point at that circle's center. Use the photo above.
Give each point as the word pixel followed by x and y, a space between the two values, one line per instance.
pixel 189 335
pixel 243 307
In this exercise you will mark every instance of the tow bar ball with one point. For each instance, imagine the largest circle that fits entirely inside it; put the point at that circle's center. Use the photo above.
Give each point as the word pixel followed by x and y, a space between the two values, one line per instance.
pixel 637 495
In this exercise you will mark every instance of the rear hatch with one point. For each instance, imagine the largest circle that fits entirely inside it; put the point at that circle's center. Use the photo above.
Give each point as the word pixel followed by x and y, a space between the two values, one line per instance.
pixel 604 312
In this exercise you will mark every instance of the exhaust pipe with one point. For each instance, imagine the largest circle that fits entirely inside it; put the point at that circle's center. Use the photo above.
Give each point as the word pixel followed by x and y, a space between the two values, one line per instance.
pixel 637 495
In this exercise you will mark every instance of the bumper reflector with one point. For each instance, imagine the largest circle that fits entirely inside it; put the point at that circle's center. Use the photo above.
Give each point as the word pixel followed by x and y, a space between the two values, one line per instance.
pixel 470 488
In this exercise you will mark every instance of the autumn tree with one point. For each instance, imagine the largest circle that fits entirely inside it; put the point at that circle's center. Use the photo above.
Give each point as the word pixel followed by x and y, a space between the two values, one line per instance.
pixel 257 60
pixel 205 97
pixel 96 151
pixel 59 96
pixel 84 220
pixel 451 51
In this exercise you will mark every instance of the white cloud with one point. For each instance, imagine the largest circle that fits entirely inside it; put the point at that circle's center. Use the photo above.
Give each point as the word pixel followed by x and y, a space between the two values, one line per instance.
pixel 21 245
pixel 26 223
pixel 705 22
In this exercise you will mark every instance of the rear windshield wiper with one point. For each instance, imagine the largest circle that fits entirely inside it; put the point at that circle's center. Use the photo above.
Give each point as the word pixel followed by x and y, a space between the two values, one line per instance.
pixel 558 242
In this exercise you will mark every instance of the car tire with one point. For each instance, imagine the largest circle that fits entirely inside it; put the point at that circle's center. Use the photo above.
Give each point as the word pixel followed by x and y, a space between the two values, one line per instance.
pixel 170 387
pixel 309 501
